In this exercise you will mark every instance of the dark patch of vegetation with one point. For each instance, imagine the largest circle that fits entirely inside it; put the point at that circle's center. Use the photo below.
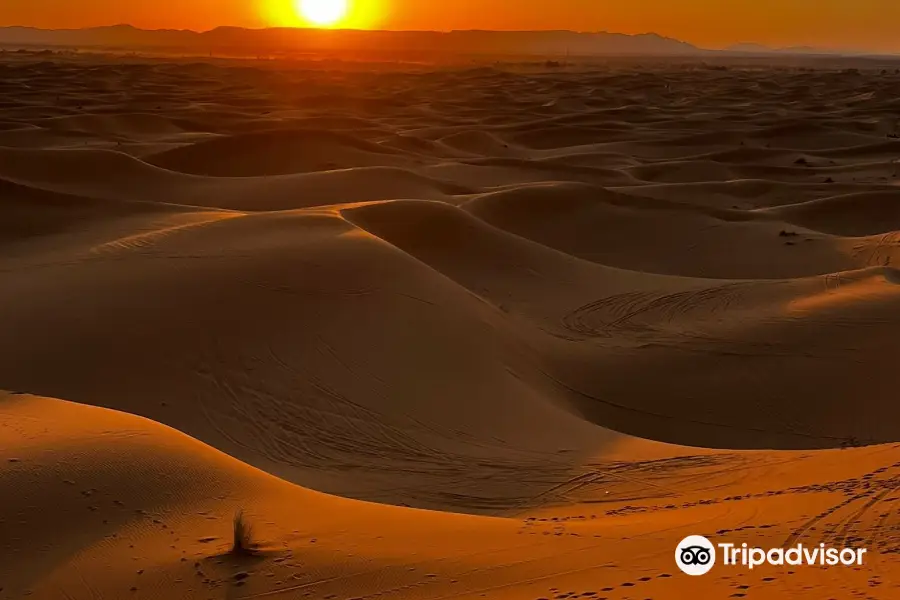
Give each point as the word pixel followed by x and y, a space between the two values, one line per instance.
pixel 243 536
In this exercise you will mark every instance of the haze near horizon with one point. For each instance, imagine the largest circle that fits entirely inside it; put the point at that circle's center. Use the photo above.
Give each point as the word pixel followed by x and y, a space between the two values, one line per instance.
pixel 835 24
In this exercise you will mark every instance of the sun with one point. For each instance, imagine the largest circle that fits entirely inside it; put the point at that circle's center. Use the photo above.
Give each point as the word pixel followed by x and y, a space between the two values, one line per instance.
pixel 323 13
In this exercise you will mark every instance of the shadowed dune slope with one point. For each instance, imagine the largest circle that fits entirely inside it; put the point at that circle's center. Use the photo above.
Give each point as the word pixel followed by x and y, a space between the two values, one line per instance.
pixel 328 322
pixel 418 298
pixel 325 321
pixel 112 175
pixel 278 152
pixel 659 236
pixel 538 302
pixel 575 313
pixel 859 214
pixel 27 212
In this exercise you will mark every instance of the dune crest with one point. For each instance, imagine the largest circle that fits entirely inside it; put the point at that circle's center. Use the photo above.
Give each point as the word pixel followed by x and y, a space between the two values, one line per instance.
pixel 508 331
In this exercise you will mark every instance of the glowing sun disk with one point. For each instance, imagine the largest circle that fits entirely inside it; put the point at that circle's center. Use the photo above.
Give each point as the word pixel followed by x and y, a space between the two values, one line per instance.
pixel 322 12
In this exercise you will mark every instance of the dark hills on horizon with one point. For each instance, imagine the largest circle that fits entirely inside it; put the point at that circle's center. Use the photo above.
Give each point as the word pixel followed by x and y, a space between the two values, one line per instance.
pixel 299 40
pixel 312 40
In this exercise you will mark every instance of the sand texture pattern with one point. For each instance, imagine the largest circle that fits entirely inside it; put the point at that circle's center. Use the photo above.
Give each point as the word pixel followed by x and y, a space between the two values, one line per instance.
pixel 444 333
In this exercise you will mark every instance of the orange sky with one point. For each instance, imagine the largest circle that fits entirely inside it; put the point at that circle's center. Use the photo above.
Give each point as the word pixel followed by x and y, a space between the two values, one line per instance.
pixel 869 24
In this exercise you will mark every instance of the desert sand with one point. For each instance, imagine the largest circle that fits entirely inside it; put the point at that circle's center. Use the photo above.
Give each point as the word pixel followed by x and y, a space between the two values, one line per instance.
pixel 444 333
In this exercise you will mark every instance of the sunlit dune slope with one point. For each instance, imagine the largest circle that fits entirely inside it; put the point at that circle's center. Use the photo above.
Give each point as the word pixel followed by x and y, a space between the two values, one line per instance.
pixel 456 286
pixel 105 504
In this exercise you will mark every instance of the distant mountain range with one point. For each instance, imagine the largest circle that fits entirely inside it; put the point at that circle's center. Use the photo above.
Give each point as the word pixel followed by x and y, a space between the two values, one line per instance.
pixel 473 42
pixel 542 43
pixel 752 48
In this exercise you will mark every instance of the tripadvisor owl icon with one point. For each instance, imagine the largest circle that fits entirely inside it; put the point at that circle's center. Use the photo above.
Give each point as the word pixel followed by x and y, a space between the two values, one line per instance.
pixel 695 555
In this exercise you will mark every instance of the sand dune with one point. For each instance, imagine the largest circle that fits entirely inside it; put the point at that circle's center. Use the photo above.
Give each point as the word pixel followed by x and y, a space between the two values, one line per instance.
pixel 111 175
pixel 859 214
pixel 443 333
pixel 278 152
pixel 32 212
pixel 85 527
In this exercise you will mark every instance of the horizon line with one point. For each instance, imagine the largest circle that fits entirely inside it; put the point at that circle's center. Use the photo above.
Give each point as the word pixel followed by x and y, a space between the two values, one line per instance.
pixel 823 50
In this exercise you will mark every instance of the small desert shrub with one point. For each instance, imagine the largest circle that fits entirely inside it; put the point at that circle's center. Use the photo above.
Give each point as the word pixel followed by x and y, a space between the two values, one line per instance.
pixel 243 536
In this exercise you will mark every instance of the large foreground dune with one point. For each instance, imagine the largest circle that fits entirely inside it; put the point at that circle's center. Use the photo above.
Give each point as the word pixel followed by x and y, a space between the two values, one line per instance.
pixel 444 333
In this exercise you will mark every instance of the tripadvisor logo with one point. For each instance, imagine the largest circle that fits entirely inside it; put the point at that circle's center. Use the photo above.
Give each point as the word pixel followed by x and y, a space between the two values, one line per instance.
pixel 696 555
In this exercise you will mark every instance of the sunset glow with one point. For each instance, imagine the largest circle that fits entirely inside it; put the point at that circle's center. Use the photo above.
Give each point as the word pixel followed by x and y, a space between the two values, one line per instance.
pixel 322 13
pixel 868 24
pixel 325 14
